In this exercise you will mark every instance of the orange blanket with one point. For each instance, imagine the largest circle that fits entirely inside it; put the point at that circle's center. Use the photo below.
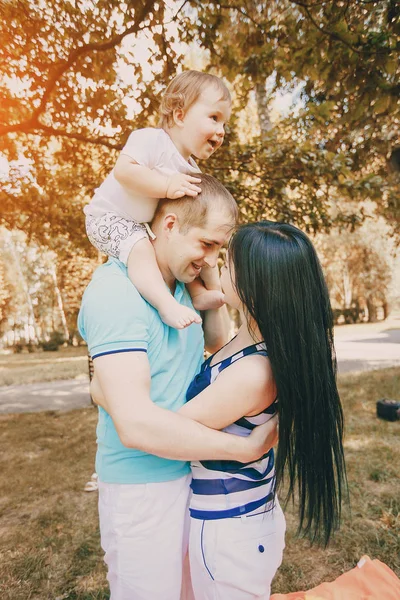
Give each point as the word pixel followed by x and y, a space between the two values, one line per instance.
pixel 369 580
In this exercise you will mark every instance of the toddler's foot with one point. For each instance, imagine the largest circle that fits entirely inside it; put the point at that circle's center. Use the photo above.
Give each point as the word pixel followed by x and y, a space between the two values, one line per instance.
pixel 209 299
pixel 178 316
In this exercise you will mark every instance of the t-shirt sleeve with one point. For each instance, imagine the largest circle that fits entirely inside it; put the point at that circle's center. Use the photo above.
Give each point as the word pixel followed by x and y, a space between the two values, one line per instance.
pixel 145 146
pixel 114 317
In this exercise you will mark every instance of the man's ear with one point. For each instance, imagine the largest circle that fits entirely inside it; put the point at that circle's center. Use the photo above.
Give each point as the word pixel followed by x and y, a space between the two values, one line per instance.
pixel 170 223
pixel 178 115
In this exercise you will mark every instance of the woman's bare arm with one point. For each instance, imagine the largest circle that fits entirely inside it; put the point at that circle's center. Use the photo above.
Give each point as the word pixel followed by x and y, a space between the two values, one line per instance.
pixel 245 388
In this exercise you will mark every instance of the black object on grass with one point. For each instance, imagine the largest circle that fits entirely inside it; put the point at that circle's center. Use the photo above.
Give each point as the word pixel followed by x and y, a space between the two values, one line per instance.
pixel 388 409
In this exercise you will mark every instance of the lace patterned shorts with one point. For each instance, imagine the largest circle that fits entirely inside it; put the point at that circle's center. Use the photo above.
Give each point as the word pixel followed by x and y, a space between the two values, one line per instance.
pixel 114 235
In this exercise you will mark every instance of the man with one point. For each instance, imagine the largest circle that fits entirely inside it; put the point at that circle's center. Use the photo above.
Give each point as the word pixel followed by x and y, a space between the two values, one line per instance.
pixel 143 369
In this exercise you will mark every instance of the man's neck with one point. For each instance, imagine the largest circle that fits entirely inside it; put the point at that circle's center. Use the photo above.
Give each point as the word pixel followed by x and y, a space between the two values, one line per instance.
pixel 170 281
pixel 165 271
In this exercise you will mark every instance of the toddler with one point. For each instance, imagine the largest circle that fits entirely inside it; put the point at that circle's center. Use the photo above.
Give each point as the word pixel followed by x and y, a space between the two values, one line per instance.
pixel 158 163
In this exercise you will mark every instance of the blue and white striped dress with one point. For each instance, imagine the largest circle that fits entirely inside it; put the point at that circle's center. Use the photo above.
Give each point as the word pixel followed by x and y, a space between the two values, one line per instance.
pixel 225 489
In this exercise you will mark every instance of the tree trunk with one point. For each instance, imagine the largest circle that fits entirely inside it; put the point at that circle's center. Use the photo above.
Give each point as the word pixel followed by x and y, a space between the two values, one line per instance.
pixel 60 304
pixel 263 110
pixel 372 312
pixel 386 309
pixel 347 287
pixel 31 314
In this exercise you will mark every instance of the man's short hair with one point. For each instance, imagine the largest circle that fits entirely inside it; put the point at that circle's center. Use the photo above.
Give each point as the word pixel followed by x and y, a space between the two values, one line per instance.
pixel 184 90
pixel 193 212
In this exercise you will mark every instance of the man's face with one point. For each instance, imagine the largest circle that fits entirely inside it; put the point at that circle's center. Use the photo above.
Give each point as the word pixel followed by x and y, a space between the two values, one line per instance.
pixel 199 246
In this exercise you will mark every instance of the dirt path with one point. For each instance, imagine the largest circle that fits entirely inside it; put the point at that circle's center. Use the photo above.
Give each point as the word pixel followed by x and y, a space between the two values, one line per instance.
pixel 53 395
pixel 359 348
pixel 367 346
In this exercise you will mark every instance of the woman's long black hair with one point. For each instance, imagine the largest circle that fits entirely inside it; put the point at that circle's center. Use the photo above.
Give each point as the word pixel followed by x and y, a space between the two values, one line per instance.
pixel 280 282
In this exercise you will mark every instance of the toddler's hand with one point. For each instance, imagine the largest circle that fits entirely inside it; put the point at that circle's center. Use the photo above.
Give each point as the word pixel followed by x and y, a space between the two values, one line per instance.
pixel 180 185
pixel 210 277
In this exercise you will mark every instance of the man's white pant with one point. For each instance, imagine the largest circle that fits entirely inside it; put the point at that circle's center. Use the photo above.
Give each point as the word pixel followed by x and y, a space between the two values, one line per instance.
pixel 144 534
pixel 237 558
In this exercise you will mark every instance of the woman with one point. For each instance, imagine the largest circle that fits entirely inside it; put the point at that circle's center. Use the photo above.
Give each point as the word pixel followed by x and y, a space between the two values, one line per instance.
pixel 282 359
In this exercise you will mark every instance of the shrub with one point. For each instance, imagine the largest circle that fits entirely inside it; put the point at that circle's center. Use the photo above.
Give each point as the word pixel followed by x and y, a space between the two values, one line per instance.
pixel 56 340
pixel 17 348
pixel 50 346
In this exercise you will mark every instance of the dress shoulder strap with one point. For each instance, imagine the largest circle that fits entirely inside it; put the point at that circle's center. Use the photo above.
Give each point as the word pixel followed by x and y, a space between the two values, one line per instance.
pixel 258 348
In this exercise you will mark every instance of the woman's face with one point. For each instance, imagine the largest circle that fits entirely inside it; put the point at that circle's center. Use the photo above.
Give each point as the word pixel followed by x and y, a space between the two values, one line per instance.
pixel 227 277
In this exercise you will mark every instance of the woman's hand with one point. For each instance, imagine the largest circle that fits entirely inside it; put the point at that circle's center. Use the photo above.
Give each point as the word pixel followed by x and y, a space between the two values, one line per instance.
pixel 263 438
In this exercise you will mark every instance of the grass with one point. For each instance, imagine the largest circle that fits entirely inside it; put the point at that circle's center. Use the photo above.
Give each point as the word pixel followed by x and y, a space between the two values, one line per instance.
pixel 66 363
pixel 372 523
pixel 49 528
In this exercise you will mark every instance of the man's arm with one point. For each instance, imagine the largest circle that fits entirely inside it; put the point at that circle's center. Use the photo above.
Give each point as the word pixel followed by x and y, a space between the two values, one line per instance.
pixel 124 379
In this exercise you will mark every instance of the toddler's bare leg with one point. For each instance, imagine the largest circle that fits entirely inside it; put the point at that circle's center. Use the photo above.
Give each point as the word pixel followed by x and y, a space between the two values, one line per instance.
pixel 146 276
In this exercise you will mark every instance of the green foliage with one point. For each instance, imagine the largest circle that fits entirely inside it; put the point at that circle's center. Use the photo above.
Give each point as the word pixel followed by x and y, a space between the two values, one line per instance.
pixel 335 148
pixel 70 111
pixel 315 165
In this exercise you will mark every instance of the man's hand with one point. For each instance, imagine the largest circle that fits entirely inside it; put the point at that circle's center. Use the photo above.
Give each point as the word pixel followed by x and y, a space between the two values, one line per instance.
pixel 263 438
pixel 180 185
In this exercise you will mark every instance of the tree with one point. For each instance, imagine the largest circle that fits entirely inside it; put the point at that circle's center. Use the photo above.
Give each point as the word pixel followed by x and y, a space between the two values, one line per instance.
pixel 42 288
pixel 65 106
pixel 5 297
pixel 358 268
pixel 74 271
pixel 68 110
pixel 20 312
pixel 345 56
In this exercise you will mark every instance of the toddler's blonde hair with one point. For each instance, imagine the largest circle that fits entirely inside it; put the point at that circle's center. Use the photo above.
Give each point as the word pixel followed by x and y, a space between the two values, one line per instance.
pixel 184 90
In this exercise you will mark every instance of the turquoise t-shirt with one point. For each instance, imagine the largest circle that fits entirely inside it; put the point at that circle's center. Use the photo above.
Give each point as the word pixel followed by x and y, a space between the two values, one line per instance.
pixel 114 318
